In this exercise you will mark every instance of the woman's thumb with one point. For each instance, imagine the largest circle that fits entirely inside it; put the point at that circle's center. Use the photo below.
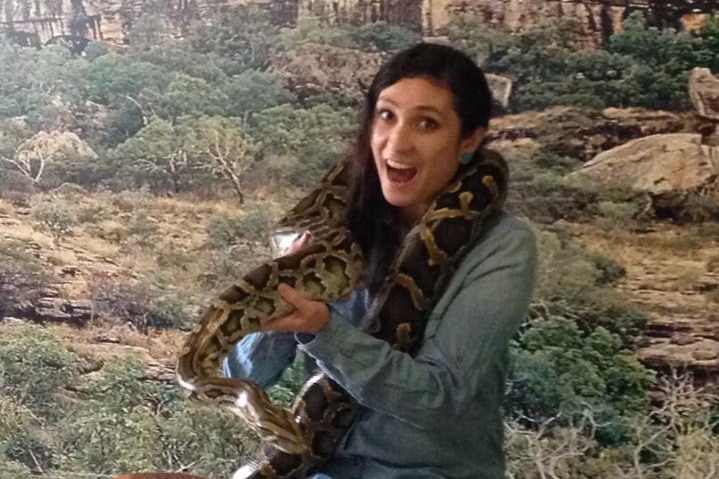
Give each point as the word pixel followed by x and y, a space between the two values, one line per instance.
pixel 290 295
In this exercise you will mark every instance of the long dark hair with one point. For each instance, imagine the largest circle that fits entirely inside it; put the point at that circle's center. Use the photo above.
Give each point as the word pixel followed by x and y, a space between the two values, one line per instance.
pixel 372 220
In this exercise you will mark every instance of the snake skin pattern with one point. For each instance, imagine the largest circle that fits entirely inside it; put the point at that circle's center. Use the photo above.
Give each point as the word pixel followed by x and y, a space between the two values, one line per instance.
pixel 296 442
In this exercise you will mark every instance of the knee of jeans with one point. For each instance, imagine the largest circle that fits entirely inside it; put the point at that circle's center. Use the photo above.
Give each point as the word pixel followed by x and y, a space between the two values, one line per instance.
pixel 320 476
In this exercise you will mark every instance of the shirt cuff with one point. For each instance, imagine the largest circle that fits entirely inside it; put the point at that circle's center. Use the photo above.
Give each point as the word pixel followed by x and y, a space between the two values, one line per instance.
pixel 327 342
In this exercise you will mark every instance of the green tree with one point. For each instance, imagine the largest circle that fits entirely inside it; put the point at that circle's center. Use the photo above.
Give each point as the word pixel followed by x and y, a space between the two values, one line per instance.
pixel 663 60
pixel 41 85
pixel 114 431
pixel 316 30
pixel 707 49
pixel 220 146
pixel 242 36
pixel 178 56
pixel 186 95
pixel 129 88
pixel 252 91
pixel 313 139
pixel 156 154
pixel 191 152
pixel 111 78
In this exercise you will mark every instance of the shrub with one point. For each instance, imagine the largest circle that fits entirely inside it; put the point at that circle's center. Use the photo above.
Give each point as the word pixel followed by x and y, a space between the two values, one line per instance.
pixel 609 270
pixel 14 470
pixel 549 160
pixel 55 214
pixel 254 225
pixel 33 367
pixel 130 201
pixel 214 440
pixel 228 264
pixel 121 300
pixel 560 370
pixel 284 392
pixel 565 271
pixel 21 277
pixel 547 197
pixel 143 304
pixel 29 450
pixel 129 423
pixel 167 310
pixel 14 417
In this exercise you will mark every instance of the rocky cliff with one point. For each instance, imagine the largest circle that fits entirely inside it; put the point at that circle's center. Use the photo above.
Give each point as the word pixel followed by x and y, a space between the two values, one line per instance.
pixel 35 23
pixel 38 23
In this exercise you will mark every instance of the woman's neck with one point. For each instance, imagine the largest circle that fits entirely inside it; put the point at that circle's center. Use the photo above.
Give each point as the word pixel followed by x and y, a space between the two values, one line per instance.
pixel 410 216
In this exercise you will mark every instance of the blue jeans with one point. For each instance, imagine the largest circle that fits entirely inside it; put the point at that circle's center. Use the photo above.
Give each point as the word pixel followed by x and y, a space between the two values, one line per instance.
pixel 320 476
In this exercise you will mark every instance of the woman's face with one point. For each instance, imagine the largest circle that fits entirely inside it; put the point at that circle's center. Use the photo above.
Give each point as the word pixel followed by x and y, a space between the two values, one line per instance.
pixel 416 143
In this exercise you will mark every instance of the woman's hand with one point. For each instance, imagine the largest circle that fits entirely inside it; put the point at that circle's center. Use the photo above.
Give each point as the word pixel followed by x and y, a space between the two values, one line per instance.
pixel 300 242
pixel 307 316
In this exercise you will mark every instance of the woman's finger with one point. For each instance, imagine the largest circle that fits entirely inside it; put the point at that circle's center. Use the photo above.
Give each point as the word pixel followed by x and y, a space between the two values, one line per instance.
pixel 290 295
pixel 300 242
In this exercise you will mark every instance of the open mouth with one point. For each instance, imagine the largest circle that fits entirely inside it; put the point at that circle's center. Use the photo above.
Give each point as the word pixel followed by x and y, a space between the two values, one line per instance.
pixel 400 172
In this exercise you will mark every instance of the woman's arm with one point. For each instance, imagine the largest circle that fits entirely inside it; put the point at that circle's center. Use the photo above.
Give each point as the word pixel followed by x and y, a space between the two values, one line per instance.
pixel 473 332
pixel 261 358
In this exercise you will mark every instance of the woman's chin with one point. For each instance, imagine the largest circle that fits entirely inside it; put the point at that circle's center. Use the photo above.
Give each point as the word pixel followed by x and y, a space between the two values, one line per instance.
pixel 397 197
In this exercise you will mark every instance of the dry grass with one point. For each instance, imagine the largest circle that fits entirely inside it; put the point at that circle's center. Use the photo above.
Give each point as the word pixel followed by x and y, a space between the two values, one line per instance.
pixel 172 252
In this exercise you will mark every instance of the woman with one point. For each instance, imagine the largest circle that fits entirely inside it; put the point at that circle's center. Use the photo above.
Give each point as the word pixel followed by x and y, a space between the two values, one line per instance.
pixel 437 414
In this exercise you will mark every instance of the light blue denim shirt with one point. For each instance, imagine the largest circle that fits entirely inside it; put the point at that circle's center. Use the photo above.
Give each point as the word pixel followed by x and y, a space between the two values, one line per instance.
pixel 435 415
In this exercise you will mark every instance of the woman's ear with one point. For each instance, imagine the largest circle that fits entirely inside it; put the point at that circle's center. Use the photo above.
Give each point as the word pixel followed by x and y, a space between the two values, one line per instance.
pixel 472 142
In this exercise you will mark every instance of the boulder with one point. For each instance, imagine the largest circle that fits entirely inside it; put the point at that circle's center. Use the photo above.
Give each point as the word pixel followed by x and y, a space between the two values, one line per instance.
pixel 54 145
pixel 501 88
pixel 656 164
pixel 704 93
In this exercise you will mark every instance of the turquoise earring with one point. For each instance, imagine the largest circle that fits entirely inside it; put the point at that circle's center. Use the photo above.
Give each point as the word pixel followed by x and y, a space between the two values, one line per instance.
pixel 465 158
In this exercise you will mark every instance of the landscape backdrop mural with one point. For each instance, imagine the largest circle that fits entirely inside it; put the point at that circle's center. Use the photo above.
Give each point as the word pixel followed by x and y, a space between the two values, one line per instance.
pixel 148 147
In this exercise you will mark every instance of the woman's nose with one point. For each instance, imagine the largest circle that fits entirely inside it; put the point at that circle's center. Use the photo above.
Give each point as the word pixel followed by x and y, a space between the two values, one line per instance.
pixel 399 139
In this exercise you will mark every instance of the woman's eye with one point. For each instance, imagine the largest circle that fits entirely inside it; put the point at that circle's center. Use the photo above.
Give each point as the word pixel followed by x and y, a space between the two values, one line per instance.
pixel 428 124
pixel 385 114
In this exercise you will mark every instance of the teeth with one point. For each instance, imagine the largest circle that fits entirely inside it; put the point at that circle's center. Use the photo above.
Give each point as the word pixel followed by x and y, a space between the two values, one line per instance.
pixel 397 165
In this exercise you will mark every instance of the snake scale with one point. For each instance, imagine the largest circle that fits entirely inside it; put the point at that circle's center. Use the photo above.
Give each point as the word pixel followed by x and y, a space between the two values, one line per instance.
pixel 296 442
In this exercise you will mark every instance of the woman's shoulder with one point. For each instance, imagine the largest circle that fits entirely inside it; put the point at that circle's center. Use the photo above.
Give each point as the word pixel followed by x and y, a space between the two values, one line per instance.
pixel 506 239
pixel 502 226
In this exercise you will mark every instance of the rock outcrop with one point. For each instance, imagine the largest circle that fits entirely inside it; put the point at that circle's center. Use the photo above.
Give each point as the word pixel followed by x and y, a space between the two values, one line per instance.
pixel 313 69
pixel 679 174
pixel 595 20
pixel 704 94
pixel 580 133
pixel 657 164
pixel 37 23
pixel 52 145
pixel 398 12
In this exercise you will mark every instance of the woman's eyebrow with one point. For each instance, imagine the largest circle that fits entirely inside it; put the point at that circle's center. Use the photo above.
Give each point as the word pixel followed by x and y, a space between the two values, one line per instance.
pixel 427 108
